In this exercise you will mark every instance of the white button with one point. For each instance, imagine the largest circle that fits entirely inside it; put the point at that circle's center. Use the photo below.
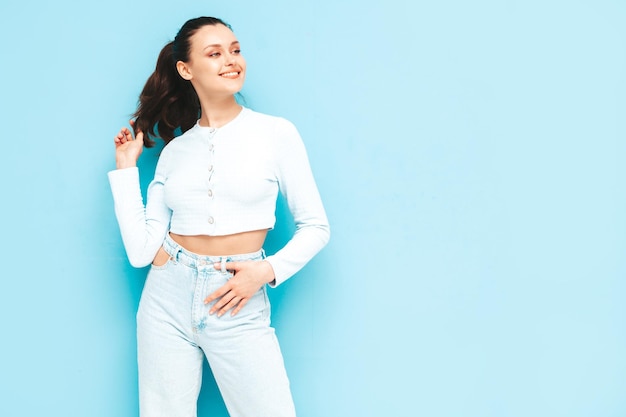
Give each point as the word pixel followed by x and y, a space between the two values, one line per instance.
pixel 210 193
pixel 211 146
pixel 211 220
pixel 210 168
pixel 212 130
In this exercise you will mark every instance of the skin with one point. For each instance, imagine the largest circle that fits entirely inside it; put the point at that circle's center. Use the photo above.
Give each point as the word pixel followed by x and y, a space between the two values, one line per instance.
pixel 216 69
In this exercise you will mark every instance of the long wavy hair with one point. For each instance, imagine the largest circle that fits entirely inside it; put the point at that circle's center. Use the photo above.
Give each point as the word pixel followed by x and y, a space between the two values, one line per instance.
pixel 168 102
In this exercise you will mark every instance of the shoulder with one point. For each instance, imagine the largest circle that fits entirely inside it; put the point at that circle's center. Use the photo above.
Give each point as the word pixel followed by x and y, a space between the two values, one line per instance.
pixel 279 133
pixel 273 131
pixel 276 124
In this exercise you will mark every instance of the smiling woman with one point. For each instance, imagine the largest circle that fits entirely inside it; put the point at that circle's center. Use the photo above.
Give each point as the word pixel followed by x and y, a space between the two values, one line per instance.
pixel 215 66
pixel 207 213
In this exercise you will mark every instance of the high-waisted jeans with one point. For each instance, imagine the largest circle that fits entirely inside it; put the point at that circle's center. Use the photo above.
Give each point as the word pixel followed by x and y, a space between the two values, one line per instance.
pixel 175 332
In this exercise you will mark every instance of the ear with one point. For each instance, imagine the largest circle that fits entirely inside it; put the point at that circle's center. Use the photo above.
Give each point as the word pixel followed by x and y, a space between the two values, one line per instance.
pixel 184 70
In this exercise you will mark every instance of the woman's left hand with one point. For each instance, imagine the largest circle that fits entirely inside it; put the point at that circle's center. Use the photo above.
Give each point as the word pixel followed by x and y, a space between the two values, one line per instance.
pixel 248 277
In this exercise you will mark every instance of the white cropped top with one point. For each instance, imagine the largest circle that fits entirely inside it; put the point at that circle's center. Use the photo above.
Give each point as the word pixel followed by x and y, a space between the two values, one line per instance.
pixel 221 181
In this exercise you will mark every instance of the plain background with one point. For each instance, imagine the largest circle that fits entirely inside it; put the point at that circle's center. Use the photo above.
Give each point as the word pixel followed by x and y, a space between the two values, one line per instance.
pixel 470 156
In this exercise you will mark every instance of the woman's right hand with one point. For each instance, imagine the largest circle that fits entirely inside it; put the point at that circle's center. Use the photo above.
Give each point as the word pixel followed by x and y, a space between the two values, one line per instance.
pixel 127 148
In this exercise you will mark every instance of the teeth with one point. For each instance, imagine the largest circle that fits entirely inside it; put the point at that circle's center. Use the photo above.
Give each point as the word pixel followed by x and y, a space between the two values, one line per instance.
pixel 229 74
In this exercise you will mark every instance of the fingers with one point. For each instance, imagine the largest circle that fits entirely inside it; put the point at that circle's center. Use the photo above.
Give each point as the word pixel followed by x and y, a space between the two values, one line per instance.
pixel 246 280
pixel 226 302
pixel 228 266
pixel 234 302
pixel 219 293
pixel 125 135
pixel 241 304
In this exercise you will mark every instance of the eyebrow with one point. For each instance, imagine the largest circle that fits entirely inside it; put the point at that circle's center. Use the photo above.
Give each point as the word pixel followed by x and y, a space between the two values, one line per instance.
pixel 217 45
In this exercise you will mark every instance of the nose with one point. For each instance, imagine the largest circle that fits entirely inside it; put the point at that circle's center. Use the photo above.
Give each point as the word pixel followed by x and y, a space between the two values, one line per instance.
pixel 230 59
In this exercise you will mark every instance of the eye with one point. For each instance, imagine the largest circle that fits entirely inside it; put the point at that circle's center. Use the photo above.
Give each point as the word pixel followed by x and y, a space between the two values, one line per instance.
pixel 236 52
pixel 214 54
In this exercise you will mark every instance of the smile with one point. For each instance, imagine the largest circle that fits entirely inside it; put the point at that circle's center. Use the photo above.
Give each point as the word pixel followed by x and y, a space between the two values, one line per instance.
pixel 233 74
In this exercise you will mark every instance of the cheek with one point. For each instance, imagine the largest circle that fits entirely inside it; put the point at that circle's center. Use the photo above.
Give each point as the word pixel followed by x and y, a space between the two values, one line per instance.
pixel 242 63
pixel 207 74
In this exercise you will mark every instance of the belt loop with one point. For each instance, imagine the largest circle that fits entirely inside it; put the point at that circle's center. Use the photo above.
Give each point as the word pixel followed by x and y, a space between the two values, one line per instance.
pixel 223 261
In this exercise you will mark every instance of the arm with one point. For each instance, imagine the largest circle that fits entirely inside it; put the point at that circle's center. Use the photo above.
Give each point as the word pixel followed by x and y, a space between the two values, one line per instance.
pixel 143 228
pixel 298 186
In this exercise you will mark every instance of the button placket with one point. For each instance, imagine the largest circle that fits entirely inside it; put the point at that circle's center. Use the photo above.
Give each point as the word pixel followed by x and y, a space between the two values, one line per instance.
pixel 211 170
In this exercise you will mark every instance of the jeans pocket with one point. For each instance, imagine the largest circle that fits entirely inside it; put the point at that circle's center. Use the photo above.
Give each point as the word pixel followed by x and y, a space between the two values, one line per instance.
pixel 162 267
pixel 161 260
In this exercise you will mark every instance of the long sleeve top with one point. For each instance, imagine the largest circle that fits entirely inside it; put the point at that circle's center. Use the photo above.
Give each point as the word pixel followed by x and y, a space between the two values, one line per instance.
pixel 221 181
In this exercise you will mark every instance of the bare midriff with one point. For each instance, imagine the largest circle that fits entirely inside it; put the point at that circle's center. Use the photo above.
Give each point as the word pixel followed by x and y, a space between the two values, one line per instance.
pixel 238 243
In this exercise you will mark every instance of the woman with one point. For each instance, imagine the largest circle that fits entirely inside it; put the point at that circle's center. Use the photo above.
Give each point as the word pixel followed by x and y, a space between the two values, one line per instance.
pixel 207 213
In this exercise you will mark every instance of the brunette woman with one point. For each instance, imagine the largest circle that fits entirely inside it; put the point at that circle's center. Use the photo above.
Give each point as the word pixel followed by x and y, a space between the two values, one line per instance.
pixel 203 226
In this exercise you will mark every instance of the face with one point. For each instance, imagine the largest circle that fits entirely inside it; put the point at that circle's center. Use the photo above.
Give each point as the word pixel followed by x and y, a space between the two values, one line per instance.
pixel 216 66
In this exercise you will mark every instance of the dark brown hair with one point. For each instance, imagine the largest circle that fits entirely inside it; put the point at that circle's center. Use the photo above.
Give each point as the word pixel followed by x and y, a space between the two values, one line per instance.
pixel 168 102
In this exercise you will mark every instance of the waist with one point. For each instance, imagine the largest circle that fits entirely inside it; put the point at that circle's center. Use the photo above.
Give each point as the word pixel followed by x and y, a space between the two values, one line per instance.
pixel 187 257
pixel 246 242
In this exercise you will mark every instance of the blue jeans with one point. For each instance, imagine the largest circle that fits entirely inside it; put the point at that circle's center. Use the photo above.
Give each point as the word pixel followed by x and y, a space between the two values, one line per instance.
pixel 175 332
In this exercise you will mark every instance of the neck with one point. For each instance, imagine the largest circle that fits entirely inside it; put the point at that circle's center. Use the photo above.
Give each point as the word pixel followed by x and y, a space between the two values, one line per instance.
pixel 218 112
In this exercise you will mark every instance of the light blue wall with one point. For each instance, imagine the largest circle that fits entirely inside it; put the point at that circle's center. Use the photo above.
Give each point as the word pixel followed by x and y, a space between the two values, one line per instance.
pixel 470 155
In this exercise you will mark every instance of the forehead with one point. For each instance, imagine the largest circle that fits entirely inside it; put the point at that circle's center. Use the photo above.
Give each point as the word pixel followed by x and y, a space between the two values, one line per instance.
pixel 212 35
